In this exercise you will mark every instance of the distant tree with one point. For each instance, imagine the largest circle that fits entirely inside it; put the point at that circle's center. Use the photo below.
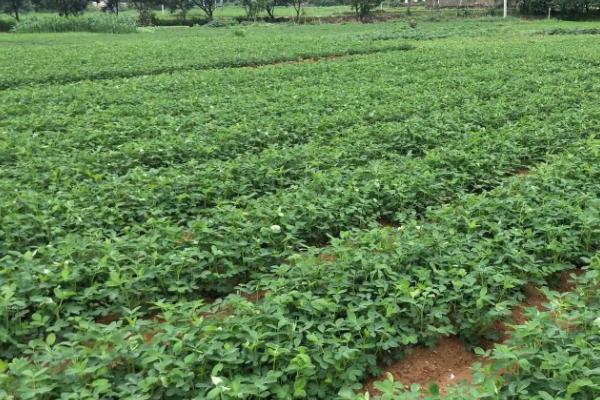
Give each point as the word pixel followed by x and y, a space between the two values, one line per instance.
pixel 14 7
pixel 111 6
pixel 252 7
pixel 269 7
pixel 183 6
pixel 297 4
pixel 208 6
pixel 565 7
pixel 363 8
pixel 144 9
pixel 534 7
pixel 574 7
pixel 64 8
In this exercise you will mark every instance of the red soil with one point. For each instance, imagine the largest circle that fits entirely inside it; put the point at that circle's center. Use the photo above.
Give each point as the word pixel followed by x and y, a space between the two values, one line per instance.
pixel 384 223
pixel 450 361
pixel 521 172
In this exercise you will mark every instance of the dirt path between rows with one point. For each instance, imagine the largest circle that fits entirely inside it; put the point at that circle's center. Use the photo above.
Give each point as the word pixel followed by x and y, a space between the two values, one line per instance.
pixel 449 362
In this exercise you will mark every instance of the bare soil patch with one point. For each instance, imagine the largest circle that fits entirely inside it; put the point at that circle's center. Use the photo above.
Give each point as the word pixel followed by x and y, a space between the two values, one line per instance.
pixel 520 172
pixel 448 363
pixel 386 223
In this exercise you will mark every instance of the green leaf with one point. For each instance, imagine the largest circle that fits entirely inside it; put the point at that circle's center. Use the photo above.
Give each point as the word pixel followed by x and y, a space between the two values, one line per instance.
pixel 434 388
pixel 545 395
pixel 575 386
pixel 50 339
pixel 299 387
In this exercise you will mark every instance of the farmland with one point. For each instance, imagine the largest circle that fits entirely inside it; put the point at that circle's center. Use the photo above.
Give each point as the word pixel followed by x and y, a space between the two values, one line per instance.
pixel 282 211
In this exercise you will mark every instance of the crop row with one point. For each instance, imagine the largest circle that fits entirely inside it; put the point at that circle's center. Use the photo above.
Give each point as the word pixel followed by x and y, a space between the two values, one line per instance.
pixel 185 192
pixel 46 185
pixel 554 355
pixel 67 57
pixel 557 351
pixel 230 54
pixel 114 127
pixel 457 270
pixel 74 189
pixel 100 272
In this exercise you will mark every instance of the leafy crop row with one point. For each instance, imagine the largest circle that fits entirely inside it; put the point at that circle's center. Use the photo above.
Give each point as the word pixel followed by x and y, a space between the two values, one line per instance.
pixel 71 57
pixel 455 271
pixel 557 350
pixel 211 254
pixel 576 31
pixel 263 51
pixel 112 127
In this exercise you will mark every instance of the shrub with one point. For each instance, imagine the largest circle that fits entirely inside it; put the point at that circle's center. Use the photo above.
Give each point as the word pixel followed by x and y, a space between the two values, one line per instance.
pixel 560 31
pixel 220 23
pixel 7 23
pixel 179 22
pixel 363 8
pixel 534 7
pixel 97 23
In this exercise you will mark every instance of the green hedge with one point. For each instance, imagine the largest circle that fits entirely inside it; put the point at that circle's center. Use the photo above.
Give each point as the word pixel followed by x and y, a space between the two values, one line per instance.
pixel 7 23
pixel 88 23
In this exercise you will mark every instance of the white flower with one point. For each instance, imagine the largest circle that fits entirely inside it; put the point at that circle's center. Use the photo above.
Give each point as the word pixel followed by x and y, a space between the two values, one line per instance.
pixel 597 322
pixel 46 271
pixel 275 228
pixel 217 381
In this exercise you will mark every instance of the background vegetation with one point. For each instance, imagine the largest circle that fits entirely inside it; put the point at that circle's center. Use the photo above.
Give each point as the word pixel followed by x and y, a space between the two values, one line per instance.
pixel 191 12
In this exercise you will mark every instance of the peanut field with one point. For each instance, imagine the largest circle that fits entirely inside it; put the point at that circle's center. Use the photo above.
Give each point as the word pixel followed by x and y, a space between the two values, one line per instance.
pixel 281 211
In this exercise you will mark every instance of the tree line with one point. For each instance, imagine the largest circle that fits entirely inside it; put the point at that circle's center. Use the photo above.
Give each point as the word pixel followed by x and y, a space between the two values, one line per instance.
pixel 566 8
pixel 361 8
pixel 145 8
